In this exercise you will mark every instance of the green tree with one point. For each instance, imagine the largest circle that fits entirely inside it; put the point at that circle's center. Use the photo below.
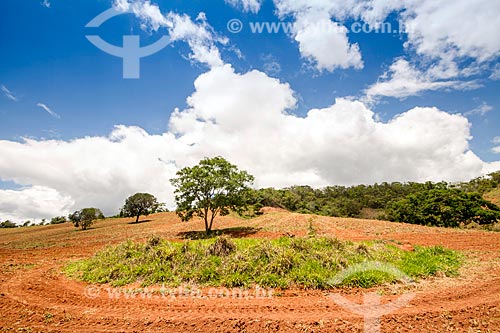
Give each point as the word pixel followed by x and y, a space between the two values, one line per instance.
pixel 85 217
pixel 140 204
pixel 7 224
pixel 211 188
pixel 58 220
pixel 444 208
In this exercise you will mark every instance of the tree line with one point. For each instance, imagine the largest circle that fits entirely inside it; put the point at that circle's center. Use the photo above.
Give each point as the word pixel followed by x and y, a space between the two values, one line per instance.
pixel 216 187
pixel 439 204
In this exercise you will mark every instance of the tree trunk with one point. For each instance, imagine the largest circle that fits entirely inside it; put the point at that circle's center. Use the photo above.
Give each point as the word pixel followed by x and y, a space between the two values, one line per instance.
pixel 137 219
pixel 207 229
pixel 212 220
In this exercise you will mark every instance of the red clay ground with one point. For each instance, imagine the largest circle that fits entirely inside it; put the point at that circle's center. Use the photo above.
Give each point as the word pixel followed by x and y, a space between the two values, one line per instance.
pixel 36 297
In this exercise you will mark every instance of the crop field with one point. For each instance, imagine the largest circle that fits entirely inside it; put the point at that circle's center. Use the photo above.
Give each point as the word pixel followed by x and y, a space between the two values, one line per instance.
pixel 37 294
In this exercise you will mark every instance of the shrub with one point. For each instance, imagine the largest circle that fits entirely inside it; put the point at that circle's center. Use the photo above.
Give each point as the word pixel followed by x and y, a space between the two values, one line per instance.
pixel 285 262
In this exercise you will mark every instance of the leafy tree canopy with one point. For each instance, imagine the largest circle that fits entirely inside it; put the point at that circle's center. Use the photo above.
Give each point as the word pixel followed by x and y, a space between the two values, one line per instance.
pixel 212 187
pixel 85 217
pixel 140 204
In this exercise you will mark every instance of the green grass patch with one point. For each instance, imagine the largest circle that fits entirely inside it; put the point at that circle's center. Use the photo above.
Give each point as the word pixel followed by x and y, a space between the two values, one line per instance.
pixel 313 262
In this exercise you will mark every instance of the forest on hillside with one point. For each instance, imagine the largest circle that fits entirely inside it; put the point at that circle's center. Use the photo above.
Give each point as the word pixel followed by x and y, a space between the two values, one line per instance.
pixel 443 204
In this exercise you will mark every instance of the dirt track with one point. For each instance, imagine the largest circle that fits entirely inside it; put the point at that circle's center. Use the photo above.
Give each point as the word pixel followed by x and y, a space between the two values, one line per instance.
pixel 36 297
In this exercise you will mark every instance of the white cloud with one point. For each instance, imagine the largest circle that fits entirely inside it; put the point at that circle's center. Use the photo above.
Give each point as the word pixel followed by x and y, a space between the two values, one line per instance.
pixel 32 203
pixel 496 141
pixel 247 5
pixel 9 94
pixel 92 171
pixel 325 43
pixel 321 41
pixel 461 27
pixel 403 80
pixel 495 74
pixel 440 30
pixel 436 28
pixel 199 35
pixel 48 110
pixel 46 3
pixel 481 110
pixel 245 118
pixel 271 65
pixel 149 14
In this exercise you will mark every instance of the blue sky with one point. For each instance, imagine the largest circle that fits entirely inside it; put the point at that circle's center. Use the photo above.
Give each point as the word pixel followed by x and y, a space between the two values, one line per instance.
pixel 58 87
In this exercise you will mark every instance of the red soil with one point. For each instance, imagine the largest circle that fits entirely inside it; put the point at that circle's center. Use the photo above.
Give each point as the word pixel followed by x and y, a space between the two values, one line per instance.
pixel 36 297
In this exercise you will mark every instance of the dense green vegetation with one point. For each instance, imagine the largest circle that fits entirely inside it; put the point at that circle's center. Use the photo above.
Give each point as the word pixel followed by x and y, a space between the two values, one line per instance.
pixel 444 208
pixel 305 262
pixel 391 200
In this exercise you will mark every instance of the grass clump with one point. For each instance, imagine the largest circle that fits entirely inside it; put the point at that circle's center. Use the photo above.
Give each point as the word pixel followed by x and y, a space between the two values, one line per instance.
pixel 311 262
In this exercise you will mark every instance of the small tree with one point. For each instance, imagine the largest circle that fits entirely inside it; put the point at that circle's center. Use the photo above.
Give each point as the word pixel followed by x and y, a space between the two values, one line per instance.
pixel 85 217
pixel 212 187
pixel 140 204
pixel 58 220
pixel 7 224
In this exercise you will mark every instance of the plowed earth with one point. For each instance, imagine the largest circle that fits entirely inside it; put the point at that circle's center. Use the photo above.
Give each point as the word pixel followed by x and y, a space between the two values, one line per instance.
pixel 35 296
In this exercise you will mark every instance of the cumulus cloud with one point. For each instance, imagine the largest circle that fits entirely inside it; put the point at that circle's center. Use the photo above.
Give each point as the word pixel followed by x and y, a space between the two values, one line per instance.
pixel 48 110
pixel 199 35
pixel 9 94
pixel 248 119
pixel 440 31
pixel 403 79
pixel 92 171
pixel 32 203
pixel 435 28
pixel 439 27
pixel 322 41
pixel 247 5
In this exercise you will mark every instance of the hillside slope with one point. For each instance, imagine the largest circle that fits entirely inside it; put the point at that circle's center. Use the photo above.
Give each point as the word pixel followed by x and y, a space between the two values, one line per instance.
pixel 36 297
pixel 493 196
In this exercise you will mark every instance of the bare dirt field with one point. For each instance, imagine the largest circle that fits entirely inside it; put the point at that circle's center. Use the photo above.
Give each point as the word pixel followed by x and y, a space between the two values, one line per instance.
pixel 35 296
